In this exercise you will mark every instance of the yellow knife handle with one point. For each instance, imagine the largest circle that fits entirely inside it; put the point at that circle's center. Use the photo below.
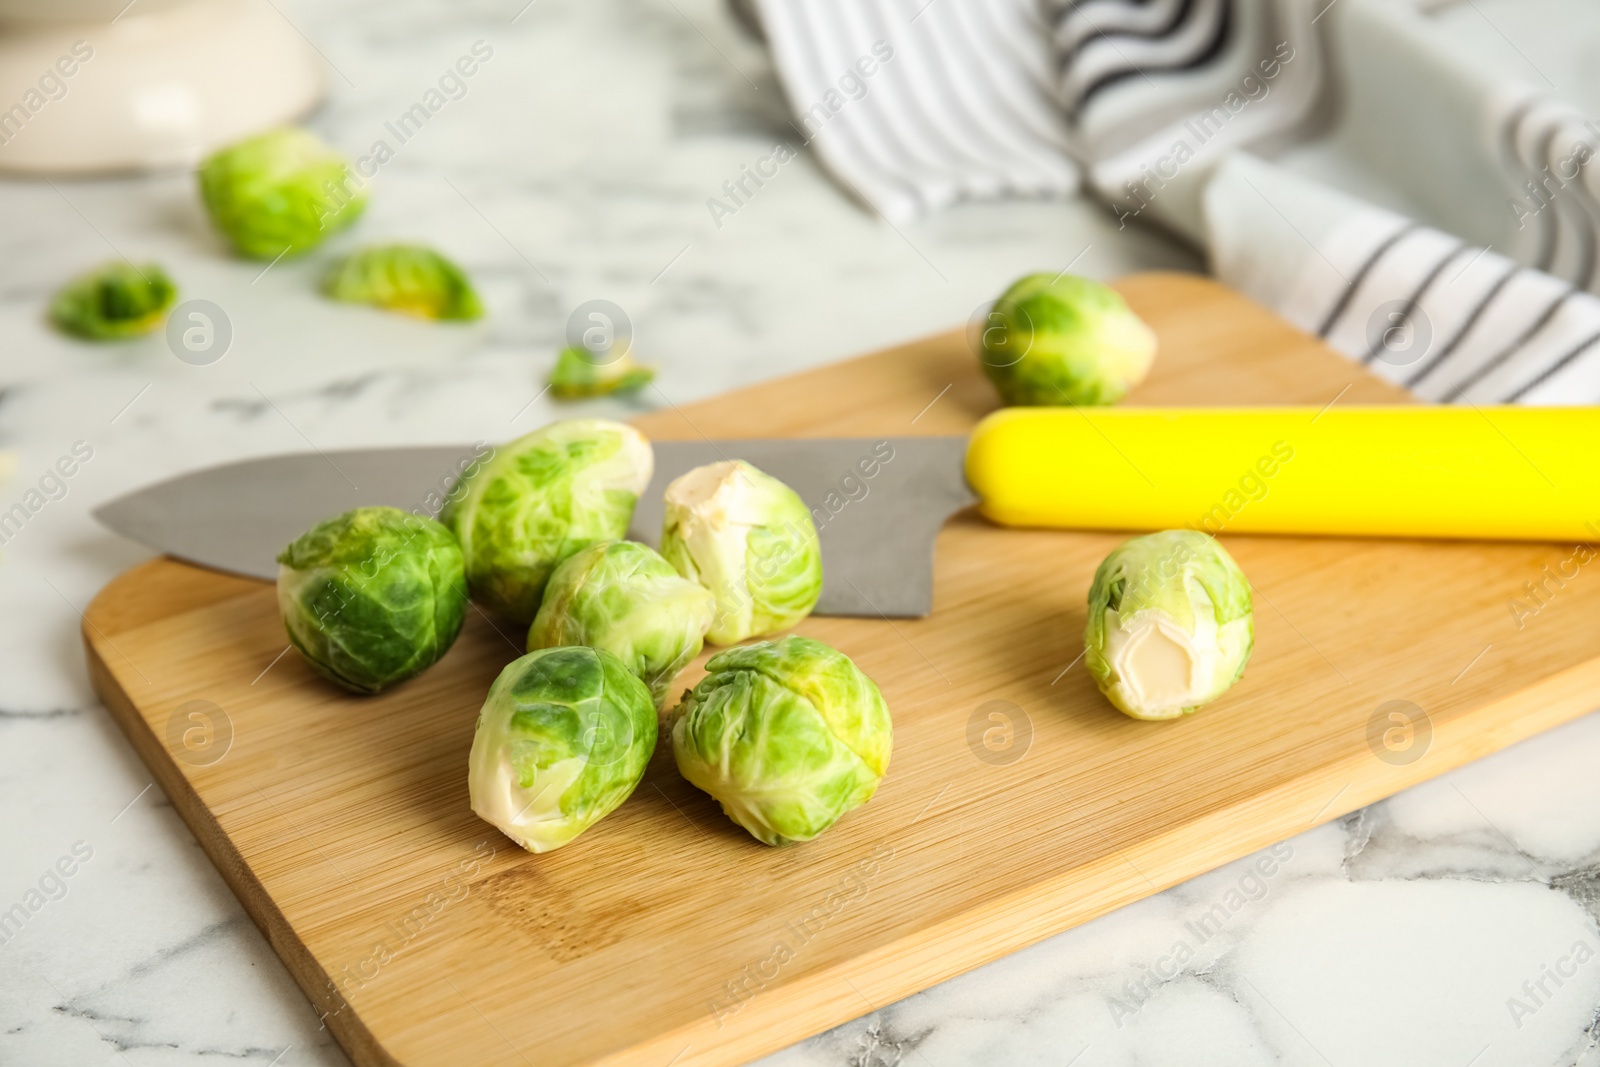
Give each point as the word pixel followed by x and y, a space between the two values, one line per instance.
pixel 1499 473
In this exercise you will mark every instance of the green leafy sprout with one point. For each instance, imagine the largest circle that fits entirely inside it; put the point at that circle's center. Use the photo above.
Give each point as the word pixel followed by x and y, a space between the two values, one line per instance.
pixel 1057 339
pixel 786 735
pixel 373 596
pixel 563 738
pixel 279 192
pixel 540 499
pixel 622 597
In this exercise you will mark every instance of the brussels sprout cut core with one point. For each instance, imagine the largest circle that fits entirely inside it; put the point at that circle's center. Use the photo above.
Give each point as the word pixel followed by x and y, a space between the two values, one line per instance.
pixel 1170 624
pixel 563 739
pixel 373 596
pixel 1056 339
pixel 749 539
pixel 786 735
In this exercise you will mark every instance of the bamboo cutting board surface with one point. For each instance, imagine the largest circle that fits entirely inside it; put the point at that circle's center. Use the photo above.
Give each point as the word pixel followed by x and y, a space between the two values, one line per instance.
pixel 666 934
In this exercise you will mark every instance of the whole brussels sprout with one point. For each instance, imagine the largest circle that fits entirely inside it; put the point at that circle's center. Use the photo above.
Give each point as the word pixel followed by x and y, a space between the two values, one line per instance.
pixel 749 539
pixel 114 302
pixel 622 597
pixel 1170 624
pixel 787 736
pixel 563 738
pixel 279 191
pixel 541 498
pixel 1062 340
pixel 579 376
pixel 410 279
pixel 373 596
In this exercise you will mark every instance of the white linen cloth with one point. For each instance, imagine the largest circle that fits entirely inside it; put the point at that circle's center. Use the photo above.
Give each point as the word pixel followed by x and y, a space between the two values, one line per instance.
pixel 1172 112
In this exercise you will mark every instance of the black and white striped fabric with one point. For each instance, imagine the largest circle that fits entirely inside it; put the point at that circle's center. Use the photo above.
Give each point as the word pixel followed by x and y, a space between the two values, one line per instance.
pixel 1099 43
pixel 913 110
pixel 1452 321
pixel 1556 208
pixel 1233 123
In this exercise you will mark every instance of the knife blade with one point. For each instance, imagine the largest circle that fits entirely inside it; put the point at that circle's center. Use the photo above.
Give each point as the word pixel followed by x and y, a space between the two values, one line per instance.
pixel 878 503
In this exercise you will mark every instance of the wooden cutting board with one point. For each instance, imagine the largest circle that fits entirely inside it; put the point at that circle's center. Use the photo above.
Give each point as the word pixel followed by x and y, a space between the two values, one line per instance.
pixel 1018 802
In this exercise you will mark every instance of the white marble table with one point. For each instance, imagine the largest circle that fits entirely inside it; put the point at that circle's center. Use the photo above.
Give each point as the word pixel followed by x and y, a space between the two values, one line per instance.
pixel 577 165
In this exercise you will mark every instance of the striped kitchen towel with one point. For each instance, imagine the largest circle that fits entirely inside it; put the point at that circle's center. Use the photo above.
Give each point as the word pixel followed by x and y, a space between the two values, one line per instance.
pixel 1336 159
pixel 1452 321
pixel 906 113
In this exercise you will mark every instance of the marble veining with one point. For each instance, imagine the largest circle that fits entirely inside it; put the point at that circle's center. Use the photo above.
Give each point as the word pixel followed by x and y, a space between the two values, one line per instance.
pixel 578 165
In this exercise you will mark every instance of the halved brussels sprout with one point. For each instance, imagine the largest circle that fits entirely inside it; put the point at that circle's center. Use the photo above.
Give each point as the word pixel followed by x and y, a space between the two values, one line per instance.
pixel 579 376
pixel 410 279
pixel 541 498
pixel 563 738
pixel 279 191
pixel 622 597
pixel 749 539
pixel 1057 339
pixel 787 736
pixel 1170 624
pixel 114 302
pixel 373 596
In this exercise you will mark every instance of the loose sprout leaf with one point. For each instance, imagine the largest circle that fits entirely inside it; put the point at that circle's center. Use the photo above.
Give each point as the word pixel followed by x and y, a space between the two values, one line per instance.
pixel 408 279
pixel 579 376
pixel 114 302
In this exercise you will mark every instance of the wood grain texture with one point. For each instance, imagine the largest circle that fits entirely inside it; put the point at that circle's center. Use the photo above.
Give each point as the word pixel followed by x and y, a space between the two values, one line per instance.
pixel 665 931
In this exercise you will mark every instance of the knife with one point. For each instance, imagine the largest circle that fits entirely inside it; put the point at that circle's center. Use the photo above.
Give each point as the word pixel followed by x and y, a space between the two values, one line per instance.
pixel 1500 473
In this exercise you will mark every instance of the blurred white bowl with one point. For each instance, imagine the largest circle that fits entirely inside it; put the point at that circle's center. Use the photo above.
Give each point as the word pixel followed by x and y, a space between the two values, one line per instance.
pixel 91 86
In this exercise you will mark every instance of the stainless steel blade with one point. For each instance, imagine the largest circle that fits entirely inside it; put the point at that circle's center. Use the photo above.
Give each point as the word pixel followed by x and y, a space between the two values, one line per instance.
pixel 879 504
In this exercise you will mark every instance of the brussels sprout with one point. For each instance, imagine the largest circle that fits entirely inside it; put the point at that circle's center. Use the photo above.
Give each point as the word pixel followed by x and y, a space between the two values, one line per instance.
pixel 409 279
pixel 787 736
pixel 373 596
pixel 540 499
pixel 563 738
pixel 577 376
pixel 622 597
pixel 1170 624
pixel 114 302
pixel 279 191
pixel 1064 340
pixel 749 539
